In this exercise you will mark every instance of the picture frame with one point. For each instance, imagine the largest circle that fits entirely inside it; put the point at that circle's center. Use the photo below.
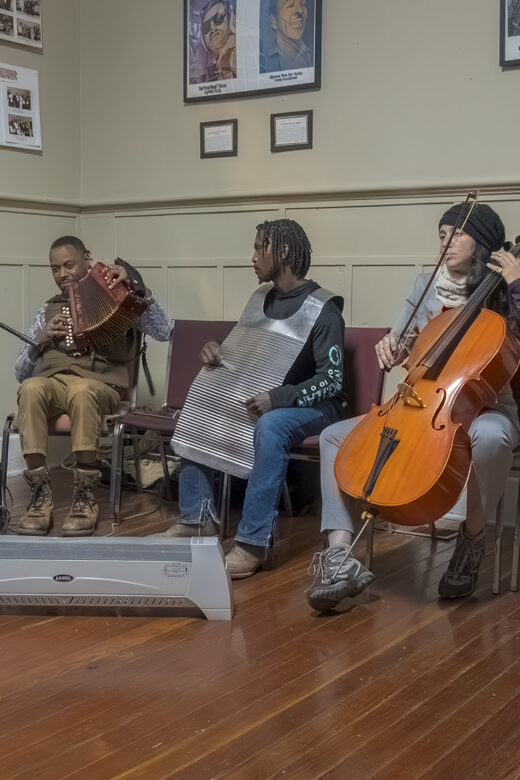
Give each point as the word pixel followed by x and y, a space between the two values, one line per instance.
pixel 219 139
pixel 21 22
pixel 509 33
pixel 20 125
pixel 292 131
pixel 240 48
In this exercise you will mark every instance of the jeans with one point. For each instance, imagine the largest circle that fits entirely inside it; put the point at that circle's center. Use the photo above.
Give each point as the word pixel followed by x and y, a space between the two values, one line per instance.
pixel 275 433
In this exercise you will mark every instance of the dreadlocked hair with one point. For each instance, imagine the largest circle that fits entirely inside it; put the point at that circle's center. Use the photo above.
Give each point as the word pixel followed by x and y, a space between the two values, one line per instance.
pixel 500 299
pixel 284 233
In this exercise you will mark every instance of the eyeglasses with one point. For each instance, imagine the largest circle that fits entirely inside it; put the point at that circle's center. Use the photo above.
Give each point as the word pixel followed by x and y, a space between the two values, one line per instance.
pixel 217 20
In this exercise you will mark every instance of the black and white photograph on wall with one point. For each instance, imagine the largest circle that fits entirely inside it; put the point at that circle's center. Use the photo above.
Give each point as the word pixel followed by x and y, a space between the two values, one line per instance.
pixel 509 32
pixel 6 26
pixel 20 125
pixel 235 48
pixel 29 8
pixel 29 31
pixel 20 22
pixel 19 98
pixel 19 108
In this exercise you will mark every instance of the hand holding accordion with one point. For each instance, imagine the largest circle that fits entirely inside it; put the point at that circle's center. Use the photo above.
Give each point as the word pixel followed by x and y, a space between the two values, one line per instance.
pixel 101 315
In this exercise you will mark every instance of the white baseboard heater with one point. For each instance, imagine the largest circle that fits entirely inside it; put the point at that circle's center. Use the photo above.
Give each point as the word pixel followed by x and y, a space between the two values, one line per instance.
pixel 122 575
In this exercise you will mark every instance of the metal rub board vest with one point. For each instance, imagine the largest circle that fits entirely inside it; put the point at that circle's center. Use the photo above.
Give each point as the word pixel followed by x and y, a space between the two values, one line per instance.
pixel 215 428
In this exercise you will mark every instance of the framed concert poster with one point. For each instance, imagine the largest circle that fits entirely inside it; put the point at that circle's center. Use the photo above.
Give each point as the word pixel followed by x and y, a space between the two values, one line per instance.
pixel 509 32
pixel 237 48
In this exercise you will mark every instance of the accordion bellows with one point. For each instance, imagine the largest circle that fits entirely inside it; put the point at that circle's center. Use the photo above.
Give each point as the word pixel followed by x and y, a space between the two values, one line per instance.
pixel 100 316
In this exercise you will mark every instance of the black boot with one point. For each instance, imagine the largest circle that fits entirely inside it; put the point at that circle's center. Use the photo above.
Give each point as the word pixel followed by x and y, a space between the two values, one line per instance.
pixel 461 577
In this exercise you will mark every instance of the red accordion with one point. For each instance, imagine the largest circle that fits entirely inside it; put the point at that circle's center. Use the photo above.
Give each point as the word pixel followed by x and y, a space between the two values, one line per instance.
pixel 99 315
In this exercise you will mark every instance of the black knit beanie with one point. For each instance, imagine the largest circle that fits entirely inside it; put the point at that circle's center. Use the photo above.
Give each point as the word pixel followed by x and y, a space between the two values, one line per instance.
pixel 484 224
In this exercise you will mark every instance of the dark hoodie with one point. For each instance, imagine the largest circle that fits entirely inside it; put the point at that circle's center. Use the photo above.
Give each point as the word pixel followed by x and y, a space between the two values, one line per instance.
pixel 317 373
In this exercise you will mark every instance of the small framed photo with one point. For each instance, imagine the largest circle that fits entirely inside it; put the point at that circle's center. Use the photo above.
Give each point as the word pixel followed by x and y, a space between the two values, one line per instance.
pixel 219 139
pixel 509 33
pixel 291 131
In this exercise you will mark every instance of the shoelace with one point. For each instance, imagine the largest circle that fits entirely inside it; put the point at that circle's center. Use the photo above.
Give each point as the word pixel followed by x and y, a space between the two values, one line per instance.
pixel 207 513
pixel 318 563
pixel 468 557
pixel 38 496
pixel 81 499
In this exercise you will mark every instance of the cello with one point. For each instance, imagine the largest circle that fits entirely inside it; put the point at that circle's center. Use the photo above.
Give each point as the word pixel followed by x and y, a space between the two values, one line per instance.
pixel 410 459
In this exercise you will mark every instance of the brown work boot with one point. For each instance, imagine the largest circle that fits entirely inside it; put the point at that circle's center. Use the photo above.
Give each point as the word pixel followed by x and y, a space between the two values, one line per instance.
pixel 83 513
pixel 185 530
pixel 37 519
pixel 243 560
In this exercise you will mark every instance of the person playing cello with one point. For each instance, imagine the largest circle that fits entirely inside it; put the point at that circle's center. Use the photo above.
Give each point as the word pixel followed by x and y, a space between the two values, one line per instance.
pixel 494 433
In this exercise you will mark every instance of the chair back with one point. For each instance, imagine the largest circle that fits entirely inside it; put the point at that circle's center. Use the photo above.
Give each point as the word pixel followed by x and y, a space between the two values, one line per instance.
pixel 187 339
pixel 515 386
pixel 363 382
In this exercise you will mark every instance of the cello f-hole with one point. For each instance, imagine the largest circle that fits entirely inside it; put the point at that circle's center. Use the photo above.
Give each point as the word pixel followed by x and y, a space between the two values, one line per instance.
pixel 438 410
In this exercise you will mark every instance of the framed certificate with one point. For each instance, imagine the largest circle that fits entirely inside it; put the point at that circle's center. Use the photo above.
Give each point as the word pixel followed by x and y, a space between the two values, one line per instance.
pixel 219 139
pixel 291 131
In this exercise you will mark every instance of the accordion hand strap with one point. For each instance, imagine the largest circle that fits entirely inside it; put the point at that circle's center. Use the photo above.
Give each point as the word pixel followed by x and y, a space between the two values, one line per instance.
pixel 146 369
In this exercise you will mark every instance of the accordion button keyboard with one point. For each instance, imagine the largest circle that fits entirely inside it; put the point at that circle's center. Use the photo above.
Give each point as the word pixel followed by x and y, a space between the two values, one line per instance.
pixel 69 340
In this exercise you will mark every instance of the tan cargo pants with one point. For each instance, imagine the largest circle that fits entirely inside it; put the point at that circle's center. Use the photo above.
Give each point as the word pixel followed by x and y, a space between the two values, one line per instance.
pixel 86 401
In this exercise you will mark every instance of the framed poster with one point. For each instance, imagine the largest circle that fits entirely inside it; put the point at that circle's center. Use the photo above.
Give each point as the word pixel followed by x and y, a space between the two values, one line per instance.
pixel 21 22
pixel 509 32
pixel 219 139
pixel 19 108
pixel 236 48
pixel 291 130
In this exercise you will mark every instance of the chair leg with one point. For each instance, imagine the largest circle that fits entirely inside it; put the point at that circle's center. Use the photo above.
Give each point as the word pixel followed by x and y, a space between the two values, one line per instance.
pixel 3 471
pixel 116 474
pixel 499 526
pixel 137 466
pixel 433 532
pixel 287 503
pixel 370 545
pixel 167 483
pixel 225 505
pixel 516 551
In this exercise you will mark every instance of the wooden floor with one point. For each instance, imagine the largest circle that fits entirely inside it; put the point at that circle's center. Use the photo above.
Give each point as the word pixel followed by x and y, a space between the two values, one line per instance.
pixel 402 686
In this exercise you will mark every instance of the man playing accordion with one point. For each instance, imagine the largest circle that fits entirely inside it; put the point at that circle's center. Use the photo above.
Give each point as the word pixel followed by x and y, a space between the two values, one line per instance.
pixel 59 378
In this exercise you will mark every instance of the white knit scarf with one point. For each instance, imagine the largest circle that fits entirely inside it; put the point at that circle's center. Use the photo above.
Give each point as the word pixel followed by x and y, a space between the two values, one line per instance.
pixel 450 288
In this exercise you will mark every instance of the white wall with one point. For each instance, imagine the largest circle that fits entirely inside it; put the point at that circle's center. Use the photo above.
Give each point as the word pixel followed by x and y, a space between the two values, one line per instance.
pixel 412 96
pixel 29 180
pixel 53 174
pixel 414 107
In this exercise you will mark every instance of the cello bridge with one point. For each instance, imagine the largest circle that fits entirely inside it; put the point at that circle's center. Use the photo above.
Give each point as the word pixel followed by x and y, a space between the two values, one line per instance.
pixel 409 396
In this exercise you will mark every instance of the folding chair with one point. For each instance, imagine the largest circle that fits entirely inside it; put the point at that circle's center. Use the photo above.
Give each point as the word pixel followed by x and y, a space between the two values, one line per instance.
pixel 186 340
pixel 60 426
